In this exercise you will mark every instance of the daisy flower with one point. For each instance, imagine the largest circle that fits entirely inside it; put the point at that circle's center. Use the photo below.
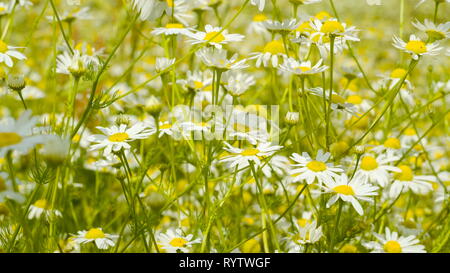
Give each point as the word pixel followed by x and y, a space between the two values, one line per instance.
pixel 149 9
pixel 349 191
pixel 377 169
pixel 196 80
pixel 17 135
pixel 243 157
pixel 309 233
pixel 172 29
pixel 237 83
pixel 76 64
pixel 284 27
pixel 434 32
pixel 175 241
pixel 167 128
pixel 6 52
pixel 302 68
pixel 332 27
pixel 117 138
pixel 393 243
pixel 416 47
pixel 217 58
pixel 308 169
pixel 102 240
pixel 271 54
pixel 42 208
pixel 215 36
pixel 405 180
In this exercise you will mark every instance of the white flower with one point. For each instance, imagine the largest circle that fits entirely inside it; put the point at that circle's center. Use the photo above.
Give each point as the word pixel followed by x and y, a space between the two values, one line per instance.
pixel 6 52
pixel 217 58
pixel 42 208
pixel 434 32
pixel 272 52
pixel 102 240
pixel 237 83
pixel 18 135
pixel 283 27
pixel 243 157
pixel 167 128
pixel 307 234
pixel 323 30
pixel 117 137
pixel 393 243
pixel 163 63
pixel 405 180
pixel 376 170
pixel 349 191
pixel 416 47
pixel 173 29
pixel 175 241
pixel 149 9
pixel 76 64
pixel 310 169
pixel 302 68
pixel 215 36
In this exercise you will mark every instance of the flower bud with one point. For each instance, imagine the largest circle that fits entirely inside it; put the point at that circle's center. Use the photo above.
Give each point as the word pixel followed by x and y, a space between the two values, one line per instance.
pixel 16 82
pixel 292 118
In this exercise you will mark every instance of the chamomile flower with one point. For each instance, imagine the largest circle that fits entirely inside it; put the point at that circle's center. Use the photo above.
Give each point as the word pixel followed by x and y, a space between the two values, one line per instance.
pixel 282 27
pixel 117 138
pixel 309 233
pixel 175 242
pixel 405 180
pixel 218 59
pixel 332 27
pixel 76 64
pixel 96 235
pixel 349 191
pixel 18 135
pixel 237 83
pixel 391 242
pixel 302 68
pixel 308 169
pixel 215 36
pixel 376 169
pixel 434 32
pixel 173 29
pixel 167 128
pixel 270 55
pixel 416 47
pixel 242 157
pixel 149 9
pixel 8 52
pixel 41 208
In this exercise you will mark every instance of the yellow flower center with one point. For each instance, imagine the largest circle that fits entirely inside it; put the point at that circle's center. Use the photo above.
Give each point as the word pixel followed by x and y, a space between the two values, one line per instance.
pixel 42 204
pixel 323 15
pixel 368 163
pixel 8 139
pixel 274 47
pixel 354 99
pixel 174 26
pixel 393 143
pixel 417 47
pixel 316 166
pixel 304 27
pixel 332 27
pixel 250 152
pixel 198 85
pixel 398 73
pixel 259 18
pixel 304 68
pixel 344 189
pixel 94 233
pixel 303 222
pixel 406 174
pixel 214 37
pixel 165 126
pixel 178 242
pixel 3 47
pixel 392 247
pixel 118 137
pixel 409 132
pixel 170 3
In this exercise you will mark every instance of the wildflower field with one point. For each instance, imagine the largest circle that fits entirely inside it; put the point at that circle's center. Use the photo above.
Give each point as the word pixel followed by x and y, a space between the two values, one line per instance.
pixel 218 126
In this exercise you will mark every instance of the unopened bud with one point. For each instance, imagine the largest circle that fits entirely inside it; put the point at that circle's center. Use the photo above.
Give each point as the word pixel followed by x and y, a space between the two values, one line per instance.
pixel 292 118
pixel 16 83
